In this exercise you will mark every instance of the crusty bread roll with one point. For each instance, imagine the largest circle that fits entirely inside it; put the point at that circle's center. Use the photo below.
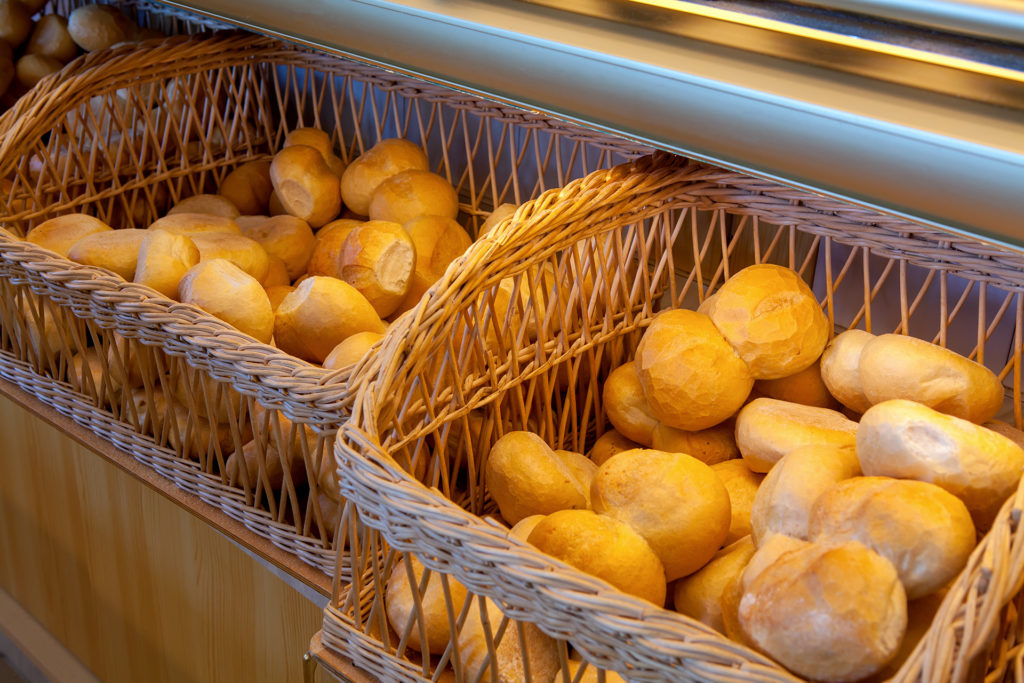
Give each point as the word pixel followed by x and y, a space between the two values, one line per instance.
pixel 526 477
pixel 897 366
pixel 840 368
pixel 691 377
pixel 603 547
pixel 908 440
pixel 15 22
pixel 676 502
pixel 804 387
pixel 277 293
pixel 262 464
pixel 608 444
pixel 326 256
pixel 195 224
pixel 224 290
pixel 316 138
pixel 351 350
pixel 413 193
pixel 523 528
pixel 378 258
pixel 248 187
pixel 321 312
pixel 536 653
pixel 210 204
pixel 426 619
pixel 98 27
pixel 767 429
pixel 770 316
pixel 626 406
pixel 742 485
pixel 582 467
pixel 783 502
pixel 50 38
pixel 369 169
pixel 116 250
pixel 31 68
pixel 925 531
pixel 827 612
pixel 699 595
pixel 286 237
pixel 247 254
pixel 277 274
pixel 164 257
pixel 710 446
pixel 60 234
pixel 305 185
pixel 500 213
pixel 438 242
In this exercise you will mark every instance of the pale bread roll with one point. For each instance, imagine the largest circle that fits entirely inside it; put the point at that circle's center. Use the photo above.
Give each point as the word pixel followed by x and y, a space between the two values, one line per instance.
pixel 61 233
pixel 699 595
pixel 767 429
pixel 608 444
pixel 413 193
pixel 305 185
pixel 351 350
pixel 378 258
pixel 711 446
pixel 770 316
pixel 216 401
pixel 286 237
pixel 248 187
pixel 248 254
pixel 326 256
pixel 626 406
pixel 840 369
pixel 908 440
pixel 30 69
pixel 804 387
pixel 261 463
pixel 50 37
pixel 742 485
pixel 500 213
pixel 426 618
pixel 369 169
pixel 438 242
pixel 195 224
pixel 783 502
pixel 923 530
pixel 604 547
pixel 692 378
pixel 827 612
pixel 211 204
pixel 526 477
pixel 164 257
pixel 224 290
pixel 98 27
pixel 116 250
pixel 536 652
pixel 676 502
pixel 896 366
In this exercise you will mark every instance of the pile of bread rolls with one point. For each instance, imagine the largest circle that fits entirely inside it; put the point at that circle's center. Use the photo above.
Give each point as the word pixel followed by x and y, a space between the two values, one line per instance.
pixel 806 498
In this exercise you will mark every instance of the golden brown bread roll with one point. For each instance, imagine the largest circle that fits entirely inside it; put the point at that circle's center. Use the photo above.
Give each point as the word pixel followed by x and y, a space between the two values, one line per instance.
pixel 626 406
pixel 286 237
pixel 164 257
pixel 369 169
pixel 98 27
pixel 195 224
pixel 767 429
pixel 30 69
pixel 908 440
pixel 536 653
pixel 224 290
pixel 840 369
pixel 320 313
pixel 742 485
pixel 277 274
pixel 247 254
pixel 770 316
pixel 526 477
pixel 262 465
pixel 277 293
pixel 608 444
pixel 305 185
pixel 426 618
pixel 523 528
pixel 923 530
pixel 116 250
pixel 60 234
pixel 438 242
pixel 897 366
pixel 15 22
pixel 378 258
pixel 699 595
pixel 50 38
pixel 248 187
pixel 676 502
pixel 783 502
pixel 691 377
pixel 604 547
pixel 351 350
pixel 500 213
pixel 804 387
pixel 581 466
pixel 209 204
pixel 413 193
pixel 710 446
pixel 326 256
pixel 319 140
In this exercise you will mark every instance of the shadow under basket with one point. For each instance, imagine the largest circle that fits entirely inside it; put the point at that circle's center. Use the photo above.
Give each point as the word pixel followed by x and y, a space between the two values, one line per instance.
pixel 123 135
pixel 522 335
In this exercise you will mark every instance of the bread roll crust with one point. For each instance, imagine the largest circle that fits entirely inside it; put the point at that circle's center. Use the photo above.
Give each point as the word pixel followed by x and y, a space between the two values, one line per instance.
pixel 433 613
pixel 50 37
pixel 224 290
pixel 116 250
pixel 61 233
pixel 413 193
pixel 305 185
pixel 711 446
pixel 608 444
pixel 699 595
pixel 372 167
pixel 248 187
pixel 840 368
pixel 767 429
pixel 626 406
pixel 164 257
pixel 378 258
pixel 742 486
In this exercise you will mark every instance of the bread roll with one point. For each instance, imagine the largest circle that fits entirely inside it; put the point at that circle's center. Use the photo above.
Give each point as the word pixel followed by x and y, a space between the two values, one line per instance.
pixel 286 237
pixel 351 350
pixel 426 618
pixel 608 444
pixel 326 256
pixel 767 429
pixel 742 485
pixel 277 274
pixel 626 406
pixel 908 440
pixel 316 138
pixel 523 528
pixel 896 366
pixel 591 675
pixel 224 290
pixel 840 369
pixel 691 377
pixel 261 465
pixel 923 530
pixel 699 595
pixel 50 38
pixel 305 185
pixel 603 547
pixel 770 316
pixel 164 258
pixel 500 213
pixel 195 224
pixel 582 467
pixel 248 187
pixel 277 293
pixel 536 653
pixel 116 250
pixel 383 160
pixel 827 612
pixel 710 446
pixel 60 234
pixel 413 193
pixel 377 258
pixel 245 253
pixel 30 69
pixel 209 204
pixel 320 313
pixel 676 502
pixel 783 502
pixel 98 27
pixel 526 477
pixel 438 242
pixel 804 387
pixel 15 22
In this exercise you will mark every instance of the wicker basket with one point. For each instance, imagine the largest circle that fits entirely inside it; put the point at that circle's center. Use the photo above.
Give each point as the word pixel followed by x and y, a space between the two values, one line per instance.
pixel 659 232
pixel 122 135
